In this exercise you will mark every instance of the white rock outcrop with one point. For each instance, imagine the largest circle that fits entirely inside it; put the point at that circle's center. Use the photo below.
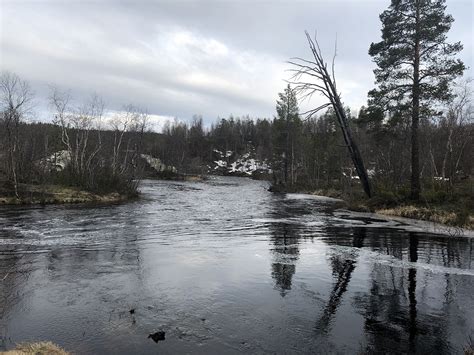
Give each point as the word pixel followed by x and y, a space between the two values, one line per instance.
pixel 157 165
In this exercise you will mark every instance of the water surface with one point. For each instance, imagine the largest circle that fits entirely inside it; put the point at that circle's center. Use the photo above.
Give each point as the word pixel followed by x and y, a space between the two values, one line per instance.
pixel 224 266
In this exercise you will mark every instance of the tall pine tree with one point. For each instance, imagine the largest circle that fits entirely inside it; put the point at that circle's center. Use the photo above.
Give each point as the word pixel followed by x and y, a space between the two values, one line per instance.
pixel 415 65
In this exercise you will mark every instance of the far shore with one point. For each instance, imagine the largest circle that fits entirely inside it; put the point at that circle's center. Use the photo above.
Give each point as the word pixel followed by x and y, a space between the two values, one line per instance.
pixel 49 194
pixel 30 194
pixel 439 213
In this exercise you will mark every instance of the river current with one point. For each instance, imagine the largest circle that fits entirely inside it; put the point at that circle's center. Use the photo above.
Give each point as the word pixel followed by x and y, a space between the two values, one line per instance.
pixel 224 266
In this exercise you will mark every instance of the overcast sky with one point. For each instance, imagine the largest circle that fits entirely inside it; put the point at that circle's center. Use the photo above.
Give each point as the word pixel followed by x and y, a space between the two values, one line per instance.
pixel 179 58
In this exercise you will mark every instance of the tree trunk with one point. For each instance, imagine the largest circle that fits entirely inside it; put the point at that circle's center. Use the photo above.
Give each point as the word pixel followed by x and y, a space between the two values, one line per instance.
pixel 353 149
pixel 318 69
pixel 448 152
pixel 287 143
pixel 13 171
pixel 415 119
pixel 292 163
pixel 351 144
pixel 12 134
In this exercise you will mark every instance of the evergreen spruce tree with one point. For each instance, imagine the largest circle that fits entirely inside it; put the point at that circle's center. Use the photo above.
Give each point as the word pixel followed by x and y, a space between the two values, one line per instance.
pixel 287 125
pixel 415 65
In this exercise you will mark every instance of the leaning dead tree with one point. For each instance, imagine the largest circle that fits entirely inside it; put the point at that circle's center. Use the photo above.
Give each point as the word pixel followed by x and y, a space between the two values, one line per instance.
pixel 312 77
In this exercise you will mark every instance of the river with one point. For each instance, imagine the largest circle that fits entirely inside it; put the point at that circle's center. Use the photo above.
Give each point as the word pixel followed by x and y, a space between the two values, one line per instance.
pixel 224 266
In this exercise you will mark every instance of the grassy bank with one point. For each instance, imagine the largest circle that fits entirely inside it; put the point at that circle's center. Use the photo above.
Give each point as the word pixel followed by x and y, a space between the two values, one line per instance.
pixel 437 215
pixel 56 194
pixel 448 205
pixel 40 348
pixel 174 176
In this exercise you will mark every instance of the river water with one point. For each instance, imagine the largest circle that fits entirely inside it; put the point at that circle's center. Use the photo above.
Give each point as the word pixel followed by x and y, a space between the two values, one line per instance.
pixel 224 266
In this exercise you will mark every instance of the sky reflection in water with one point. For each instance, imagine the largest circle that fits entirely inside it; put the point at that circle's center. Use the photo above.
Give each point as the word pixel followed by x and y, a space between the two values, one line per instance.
pixel 225 266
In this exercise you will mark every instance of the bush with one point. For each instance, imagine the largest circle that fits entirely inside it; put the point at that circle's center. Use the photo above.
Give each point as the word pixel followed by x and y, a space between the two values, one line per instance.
pixel 436 196
pixel 102 181
pixel 44 347
pixel 383 199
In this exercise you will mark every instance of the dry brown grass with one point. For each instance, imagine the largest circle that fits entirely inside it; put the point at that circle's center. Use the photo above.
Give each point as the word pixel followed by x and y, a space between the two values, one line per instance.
pixel 51 194
pixel 333 193
pixel 39 348
pixel 427 214
pixel 195 178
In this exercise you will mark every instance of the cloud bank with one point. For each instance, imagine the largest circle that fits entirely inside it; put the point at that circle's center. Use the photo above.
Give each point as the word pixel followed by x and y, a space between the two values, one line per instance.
pixel 177 59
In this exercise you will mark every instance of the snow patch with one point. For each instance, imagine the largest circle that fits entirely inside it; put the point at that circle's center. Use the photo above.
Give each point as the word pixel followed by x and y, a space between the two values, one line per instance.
pixel 243 166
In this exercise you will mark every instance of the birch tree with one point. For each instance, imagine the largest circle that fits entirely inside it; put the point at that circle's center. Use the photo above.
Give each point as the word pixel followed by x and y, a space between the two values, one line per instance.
pixel 16 98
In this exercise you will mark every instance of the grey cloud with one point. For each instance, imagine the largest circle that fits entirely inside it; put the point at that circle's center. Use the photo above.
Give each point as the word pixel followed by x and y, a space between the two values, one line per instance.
pixel 178 58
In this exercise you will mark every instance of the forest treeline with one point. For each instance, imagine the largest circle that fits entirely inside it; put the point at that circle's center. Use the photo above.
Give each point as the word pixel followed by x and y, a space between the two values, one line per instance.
pixel 311 153
pixel 304 154
pixel 81 147
pixel 414 134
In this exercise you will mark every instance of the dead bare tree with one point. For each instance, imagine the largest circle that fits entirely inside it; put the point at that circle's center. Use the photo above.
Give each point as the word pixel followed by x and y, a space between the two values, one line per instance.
pixel 311 77
pixel 460 113
pixel 90 116
pixel 60 102
pixel 140 122
pixel 120 123
pixel 76 126
pixel 134 121
pixel 15 99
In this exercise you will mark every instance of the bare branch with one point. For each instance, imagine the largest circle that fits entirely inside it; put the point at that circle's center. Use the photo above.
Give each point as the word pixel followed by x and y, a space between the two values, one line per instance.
pixel 326 86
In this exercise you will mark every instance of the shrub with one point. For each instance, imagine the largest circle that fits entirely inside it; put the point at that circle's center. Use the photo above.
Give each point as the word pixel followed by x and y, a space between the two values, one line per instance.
pixel 40 348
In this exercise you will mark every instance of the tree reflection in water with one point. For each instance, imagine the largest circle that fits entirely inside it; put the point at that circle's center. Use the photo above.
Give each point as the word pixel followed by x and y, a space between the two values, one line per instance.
pixel 287 232
pixel 360 288
pixel 342 268
pixel 392 317
pixel 286 251
pixel 413 257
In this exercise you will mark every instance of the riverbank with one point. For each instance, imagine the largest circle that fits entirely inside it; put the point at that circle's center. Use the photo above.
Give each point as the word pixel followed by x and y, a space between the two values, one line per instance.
pixel 175 176
pixel 436 215
pixel 452 210
pixel 44 347
pixel 30 194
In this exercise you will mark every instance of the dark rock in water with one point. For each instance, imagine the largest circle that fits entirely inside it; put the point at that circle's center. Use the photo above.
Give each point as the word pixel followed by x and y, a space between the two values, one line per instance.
pixel 278 188
pixel 132 311
pixel 157 336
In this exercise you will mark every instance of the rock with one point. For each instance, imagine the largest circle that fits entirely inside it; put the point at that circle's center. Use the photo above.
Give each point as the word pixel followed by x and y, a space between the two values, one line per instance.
pixel 132 311
pixel 157 165
pixel 156 337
